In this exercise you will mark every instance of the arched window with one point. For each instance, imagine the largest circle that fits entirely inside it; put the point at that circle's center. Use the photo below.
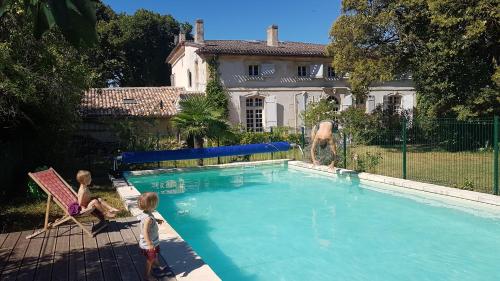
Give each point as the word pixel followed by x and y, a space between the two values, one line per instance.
pixel 254 109
pixel 190 79
pixel 335 102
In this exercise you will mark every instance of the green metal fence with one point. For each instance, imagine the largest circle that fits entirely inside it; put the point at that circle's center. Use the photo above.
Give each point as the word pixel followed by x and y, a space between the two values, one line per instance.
pixel 460 154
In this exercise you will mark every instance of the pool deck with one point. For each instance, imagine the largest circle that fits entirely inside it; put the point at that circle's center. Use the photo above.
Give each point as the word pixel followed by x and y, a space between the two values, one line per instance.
pixel 65 253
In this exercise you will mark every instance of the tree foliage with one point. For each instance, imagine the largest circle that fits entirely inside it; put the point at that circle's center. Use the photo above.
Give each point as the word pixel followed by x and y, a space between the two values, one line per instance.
pixel 132 48
pixel 39 89
pixel 215 92
pixel 451 47
pixel 41 84
pixel 75 19
pixel 319 111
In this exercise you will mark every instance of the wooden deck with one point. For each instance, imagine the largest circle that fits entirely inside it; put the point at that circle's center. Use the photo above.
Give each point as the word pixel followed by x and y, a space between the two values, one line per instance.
pixel 65 253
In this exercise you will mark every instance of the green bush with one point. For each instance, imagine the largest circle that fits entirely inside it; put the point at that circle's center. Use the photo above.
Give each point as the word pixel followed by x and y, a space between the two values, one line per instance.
pixel 366 162
pixel 319 111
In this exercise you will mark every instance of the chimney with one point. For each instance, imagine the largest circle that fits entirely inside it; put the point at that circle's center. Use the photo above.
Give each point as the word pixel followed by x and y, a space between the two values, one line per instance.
pixel 182 37
pixel 176 40
pixel 272 36
pixel 199 32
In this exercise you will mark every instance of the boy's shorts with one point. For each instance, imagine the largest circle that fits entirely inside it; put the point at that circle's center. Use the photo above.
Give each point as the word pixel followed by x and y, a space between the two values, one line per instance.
pixel 151 254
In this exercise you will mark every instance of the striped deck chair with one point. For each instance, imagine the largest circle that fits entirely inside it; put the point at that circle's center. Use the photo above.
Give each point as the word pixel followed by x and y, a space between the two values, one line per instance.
pixel 64 196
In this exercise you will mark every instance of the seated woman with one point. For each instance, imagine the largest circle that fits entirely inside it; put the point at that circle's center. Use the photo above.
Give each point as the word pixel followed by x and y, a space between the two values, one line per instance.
pixel 322 134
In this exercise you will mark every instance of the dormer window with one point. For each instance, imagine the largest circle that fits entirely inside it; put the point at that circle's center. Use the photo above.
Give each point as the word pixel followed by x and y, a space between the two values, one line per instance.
pixel 302 71
pixel 330 72
pixel 253 70
pixel 129 101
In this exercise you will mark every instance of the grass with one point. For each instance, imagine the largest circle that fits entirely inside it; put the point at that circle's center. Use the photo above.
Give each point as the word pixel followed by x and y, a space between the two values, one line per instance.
pixel 17 214
pixel 465 170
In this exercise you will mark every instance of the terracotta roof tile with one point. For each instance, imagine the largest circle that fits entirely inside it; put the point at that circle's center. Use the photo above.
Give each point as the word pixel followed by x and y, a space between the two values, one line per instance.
pixel 138 102
pixel 256 47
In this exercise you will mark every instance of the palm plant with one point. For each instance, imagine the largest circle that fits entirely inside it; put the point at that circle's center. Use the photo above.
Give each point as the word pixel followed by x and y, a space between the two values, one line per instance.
pixel 200 119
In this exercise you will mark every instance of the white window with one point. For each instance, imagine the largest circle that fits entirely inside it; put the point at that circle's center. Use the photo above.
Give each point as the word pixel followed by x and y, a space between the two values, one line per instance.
pixel 302 71
pixel 254 108
pixel 330 72
pixel 394 102
pixel 253 70
pixel 360 100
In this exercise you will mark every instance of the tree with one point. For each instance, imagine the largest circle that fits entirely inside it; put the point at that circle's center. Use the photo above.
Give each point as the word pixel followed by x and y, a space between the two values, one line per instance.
pixel 451 47
pixel 75 19
pixel 200 119
pixel 216 93
pixel 41 84
pixel 132 48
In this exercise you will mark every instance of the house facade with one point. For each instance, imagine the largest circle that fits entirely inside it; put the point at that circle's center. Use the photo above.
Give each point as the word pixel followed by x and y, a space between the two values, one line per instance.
pixel 270 83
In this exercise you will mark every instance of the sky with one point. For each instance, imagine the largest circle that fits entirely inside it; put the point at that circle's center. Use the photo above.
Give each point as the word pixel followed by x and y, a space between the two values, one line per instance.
pixel 304 21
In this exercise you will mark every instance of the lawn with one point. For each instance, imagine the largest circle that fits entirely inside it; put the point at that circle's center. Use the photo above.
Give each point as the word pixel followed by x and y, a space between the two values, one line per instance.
pixel 19 214
pixel 465 170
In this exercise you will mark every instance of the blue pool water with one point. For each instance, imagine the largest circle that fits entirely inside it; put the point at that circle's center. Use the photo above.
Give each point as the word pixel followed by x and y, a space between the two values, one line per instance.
pixel 276 223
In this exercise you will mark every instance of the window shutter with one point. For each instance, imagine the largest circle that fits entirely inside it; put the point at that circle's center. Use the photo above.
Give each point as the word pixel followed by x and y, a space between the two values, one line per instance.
pixel 267 69
pixel 243 111
pixel 301 106
pixel 386 102
pixel 371 103
pixel 317 70
pixel 271 110
pixel 407 102
pixel 347 102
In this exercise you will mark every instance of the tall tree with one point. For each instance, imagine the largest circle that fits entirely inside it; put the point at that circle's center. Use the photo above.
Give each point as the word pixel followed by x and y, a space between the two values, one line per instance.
pixel 133 48
pixel 451 47
pixel 75 19
pixel 41 84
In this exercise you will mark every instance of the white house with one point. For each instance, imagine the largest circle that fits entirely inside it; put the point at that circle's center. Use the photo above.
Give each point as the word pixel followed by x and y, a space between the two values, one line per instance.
pixel 271 82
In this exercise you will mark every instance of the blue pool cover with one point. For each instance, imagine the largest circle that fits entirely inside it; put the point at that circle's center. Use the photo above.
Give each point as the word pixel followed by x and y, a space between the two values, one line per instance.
pixel 197 153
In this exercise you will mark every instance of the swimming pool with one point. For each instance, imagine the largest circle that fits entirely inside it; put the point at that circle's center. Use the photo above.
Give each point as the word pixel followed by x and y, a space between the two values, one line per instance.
pixel 278 223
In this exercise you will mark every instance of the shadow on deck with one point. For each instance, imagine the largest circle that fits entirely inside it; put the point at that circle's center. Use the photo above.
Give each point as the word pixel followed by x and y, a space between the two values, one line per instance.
pixel 65 253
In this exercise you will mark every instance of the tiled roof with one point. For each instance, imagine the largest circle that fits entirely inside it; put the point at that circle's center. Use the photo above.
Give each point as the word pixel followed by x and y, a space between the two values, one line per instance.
pixel 255 47
pixel 138 102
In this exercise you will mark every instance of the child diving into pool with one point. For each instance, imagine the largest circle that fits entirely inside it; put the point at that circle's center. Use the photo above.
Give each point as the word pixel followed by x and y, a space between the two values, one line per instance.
pixel 87 201
pixel 149 241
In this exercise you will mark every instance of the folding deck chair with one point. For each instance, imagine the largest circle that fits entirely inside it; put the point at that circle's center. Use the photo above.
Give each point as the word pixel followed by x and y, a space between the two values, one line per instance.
pixel 63 195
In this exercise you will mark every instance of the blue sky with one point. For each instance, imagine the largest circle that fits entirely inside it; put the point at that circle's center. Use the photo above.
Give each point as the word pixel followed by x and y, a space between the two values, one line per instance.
pixel 306 21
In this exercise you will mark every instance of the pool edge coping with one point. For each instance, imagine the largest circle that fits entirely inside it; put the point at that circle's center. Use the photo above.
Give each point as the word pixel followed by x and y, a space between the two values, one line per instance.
pixel 404 184
pixel 185 262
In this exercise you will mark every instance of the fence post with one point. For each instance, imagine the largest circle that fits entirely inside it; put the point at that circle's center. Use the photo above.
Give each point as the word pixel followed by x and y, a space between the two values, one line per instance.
pixel 344 151
pixel 495 155
pixel 218 157
pixel 271 140
pixel 404 147
pixel 303 137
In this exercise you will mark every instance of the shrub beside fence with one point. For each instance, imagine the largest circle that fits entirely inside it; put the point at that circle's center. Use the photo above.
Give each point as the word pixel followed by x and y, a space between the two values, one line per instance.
pixel 460 154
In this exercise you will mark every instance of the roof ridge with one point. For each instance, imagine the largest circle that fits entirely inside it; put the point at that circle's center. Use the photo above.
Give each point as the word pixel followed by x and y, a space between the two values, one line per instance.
pixel 128 88
pixel 261 40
